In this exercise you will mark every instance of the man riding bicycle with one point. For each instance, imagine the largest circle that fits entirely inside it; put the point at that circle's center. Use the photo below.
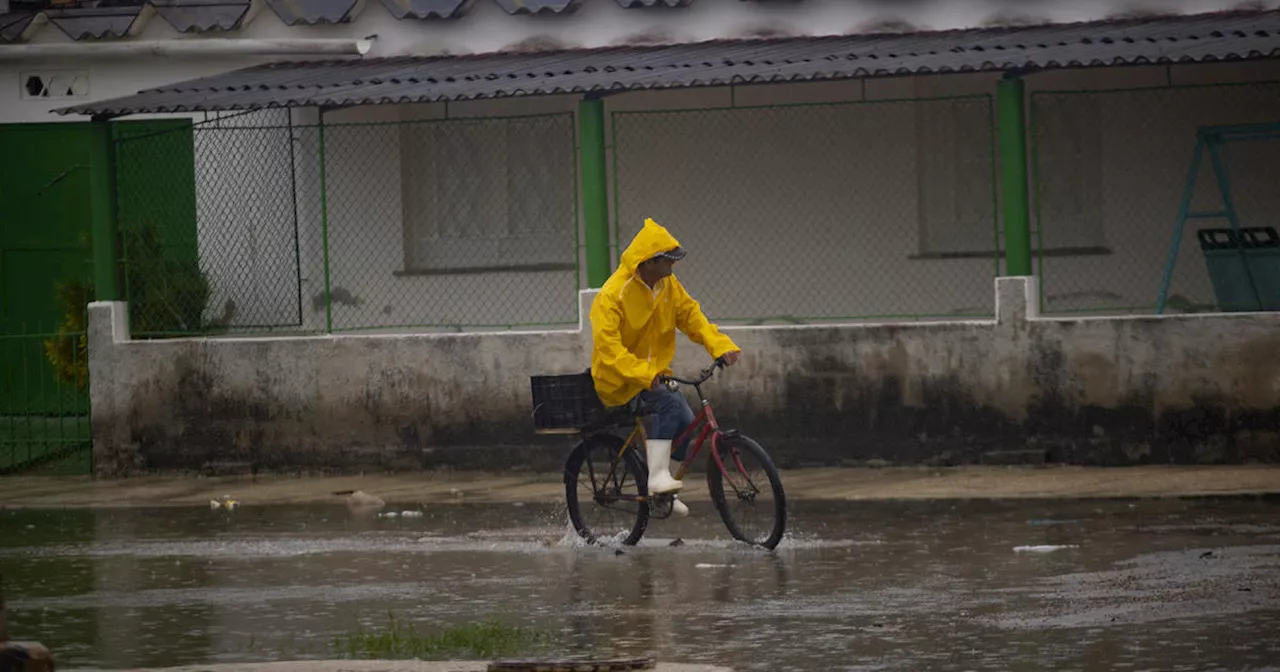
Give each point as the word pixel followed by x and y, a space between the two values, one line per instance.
pixel 633 327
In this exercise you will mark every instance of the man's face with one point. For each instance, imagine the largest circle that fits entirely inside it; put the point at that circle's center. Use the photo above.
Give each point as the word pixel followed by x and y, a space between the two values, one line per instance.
pixel 660 267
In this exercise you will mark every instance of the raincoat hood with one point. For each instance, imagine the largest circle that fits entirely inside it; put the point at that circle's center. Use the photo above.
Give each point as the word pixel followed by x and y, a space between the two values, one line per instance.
pixel 652 240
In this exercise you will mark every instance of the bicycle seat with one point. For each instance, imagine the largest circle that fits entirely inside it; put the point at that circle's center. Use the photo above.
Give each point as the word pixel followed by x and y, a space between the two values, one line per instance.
pixel 609 418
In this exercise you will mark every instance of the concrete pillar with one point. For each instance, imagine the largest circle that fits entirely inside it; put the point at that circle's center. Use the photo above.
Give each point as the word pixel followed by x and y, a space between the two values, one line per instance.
pixel 108 328
pixel 585 297
pixel 1017 300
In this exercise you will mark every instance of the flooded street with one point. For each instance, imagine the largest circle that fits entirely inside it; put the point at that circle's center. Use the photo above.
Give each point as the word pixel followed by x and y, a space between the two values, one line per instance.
pixel 956 585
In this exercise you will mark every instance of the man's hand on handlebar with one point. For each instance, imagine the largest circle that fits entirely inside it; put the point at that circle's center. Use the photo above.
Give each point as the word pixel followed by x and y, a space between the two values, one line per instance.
pixel 727 359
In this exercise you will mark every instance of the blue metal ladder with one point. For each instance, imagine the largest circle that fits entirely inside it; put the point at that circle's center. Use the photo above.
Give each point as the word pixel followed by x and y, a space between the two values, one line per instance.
pixel 1211 139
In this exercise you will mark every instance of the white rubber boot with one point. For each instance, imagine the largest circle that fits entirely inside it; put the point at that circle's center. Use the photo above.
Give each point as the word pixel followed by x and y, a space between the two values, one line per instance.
pixel 678 508
pixel 658 454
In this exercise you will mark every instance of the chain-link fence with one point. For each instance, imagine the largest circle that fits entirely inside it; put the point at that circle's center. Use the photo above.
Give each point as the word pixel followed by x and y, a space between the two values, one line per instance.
pixel 820 212
pixel 1110 170
pixel 251 223
pixel 462 222
pixel 209 224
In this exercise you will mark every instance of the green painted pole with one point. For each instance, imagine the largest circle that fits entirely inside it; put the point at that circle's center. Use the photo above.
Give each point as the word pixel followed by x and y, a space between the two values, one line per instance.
pixel 595 190
pixel 102 208
pixel 1013 175
pixel 324 233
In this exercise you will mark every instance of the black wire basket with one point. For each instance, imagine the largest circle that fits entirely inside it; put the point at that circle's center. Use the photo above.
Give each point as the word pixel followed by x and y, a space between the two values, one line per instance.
pixel 564 404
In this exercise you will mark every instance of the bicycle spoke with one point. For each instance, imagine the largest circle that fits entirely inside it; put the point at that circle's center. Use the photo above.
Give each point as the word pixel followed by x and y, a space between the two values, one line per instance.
pixel 749 504
pixel 608 499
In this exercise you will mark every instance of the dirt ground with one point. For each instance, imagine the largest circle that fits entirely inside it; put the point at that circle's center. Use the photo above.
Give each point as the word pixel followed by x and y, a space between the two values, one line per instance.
pixel 828 484
pixel 385 666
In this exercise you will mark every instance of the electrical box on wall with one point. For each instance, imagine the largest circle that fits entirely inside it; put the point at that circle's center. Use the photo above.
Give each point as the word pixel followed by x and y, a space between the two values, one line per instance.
pixel 54 84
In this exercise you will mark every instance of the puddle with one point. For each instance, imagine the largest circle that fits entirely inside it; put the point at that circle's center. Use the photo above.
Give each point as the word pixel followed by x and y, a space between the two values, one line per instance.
pixel 855 585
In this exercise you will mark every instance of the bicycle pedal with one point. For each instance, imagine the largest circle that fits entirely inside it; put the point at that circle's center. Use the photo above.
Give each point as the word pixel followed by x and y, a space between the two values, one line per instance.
pixel 661 506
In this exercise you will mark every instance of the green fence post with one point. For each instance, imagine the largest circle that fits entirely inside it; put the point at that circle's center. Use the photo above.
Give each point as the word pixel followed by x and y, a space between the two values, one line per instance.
pixel 1013 175
pixel 595 190
pixel 324 232
pixel 102 204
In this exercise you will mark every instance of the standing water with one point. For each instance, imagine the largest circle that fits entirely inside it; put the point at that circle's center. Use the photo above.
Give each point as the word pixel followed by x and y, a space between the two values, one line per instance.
pixel 1157 584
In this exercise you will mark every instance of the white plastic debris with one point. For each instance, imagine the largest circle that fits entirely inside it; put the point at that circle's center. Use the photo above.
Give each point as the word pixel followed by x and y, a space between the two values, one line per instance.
pixel 1042 549
pixel 226 503
pixel 361 500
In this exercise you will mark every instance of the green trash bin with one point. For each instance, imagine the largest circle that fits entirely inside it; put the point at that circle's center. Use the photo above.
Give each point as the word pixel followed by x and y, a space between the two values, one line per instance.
pixel 1261 247
pixel 1225 259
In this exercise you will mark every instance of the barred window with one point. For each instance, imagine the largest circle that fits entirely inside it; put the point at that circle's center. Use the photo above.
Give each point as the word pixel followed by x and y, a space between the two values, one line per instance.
pixel 489 194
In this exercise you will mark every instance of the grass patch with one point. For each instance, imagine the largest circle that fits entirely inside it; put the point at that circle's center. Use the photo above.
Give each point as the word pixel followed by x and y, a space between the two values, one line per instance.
pixel 488 638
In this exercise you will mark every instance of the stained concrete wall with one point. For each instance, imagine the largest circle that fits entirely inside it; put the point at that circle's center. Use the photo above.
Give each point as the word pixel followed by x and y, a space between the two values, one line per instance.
pixel 1174 389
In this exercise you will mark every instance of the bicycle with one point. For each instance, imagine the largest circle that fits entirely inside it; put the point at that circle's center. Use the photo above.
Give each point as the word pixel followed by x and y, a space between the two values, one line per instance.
pixel 616 472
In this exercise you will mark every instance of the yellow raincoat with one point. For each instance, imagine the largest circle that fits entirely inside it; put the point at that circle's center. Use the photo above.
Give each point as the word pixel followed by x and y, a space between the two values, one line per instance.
pixel 633 328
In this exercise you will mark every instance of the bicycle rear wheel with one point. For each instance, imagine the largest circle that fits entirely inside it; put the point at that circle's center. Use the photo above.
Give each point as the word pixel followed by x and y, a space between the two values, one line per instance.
pixel 748 492
pixel 606 493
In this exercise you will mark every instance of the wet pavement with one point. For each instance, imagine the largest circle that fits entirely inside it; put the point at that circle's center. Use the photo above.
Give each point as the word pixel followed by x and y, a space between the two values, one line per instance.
pixel 957 585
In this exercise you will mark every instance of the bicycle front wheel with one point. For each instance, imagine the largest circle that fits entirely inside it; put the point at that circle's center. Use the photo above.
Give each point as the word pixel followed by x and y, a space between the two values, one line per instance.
pixel 606 491
pixel 747 491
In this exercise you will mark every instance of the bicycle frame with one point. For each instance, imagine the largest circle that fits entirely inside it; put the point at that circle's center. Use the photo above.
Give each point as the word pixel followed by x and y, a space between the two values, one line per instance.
pixel 704 424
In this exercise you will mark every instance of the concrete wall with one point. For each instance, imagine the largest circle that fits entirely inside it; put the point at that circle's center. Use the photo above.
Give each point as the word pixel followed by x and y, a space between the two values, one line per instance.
pixel 1174 389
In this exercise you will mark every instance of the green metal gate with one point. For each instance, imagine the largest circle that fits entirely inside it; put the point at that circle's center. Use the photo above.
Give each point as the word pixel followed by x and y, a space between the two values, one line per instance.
pixel 60 184
pixel 45 264
pixel 44 418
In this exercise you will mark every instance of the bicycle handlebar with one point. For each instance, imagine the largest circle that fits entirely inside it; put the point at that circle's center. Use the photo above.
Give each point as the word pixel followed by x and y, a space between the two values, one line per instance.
pixel 702 377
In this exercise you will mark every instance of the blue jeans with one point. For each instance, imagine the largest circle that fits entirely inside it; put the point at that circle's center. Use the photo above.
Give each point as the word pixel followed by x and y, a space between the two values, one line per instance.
pixel 667 413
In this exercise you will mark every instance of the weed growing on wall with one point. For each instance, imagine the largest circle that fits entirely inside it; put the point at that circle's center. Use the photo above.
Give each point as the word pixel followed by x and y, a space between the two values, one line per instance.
pixel 487 638
pixel 167 294
pixel 167 291
pixel 67 350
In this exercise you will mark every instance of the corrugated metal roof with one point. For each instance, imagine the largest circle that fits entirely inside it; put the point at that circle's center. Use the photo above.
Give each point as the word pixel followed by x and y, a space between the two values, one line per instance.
pixel 1205 37
pixel 89 19
pixel 631 4
pixel 98 22
pixel 422 9
pixel 538 6
pixel 15 26
pixel 202 16
pixel 313 12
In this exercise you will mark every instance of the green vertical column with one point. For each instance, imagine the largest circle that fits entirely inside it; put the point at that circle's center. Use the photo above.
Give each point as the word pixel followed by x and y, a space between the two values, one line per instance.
pixel 1013 176
pixel 595 189
pixel 324 231
pixel 102 205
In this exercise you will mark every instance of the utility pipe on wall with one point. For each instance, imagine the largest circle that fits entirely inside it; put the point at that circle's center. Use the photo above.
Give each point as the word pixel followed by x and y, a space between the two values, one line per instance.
pixel 188 48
